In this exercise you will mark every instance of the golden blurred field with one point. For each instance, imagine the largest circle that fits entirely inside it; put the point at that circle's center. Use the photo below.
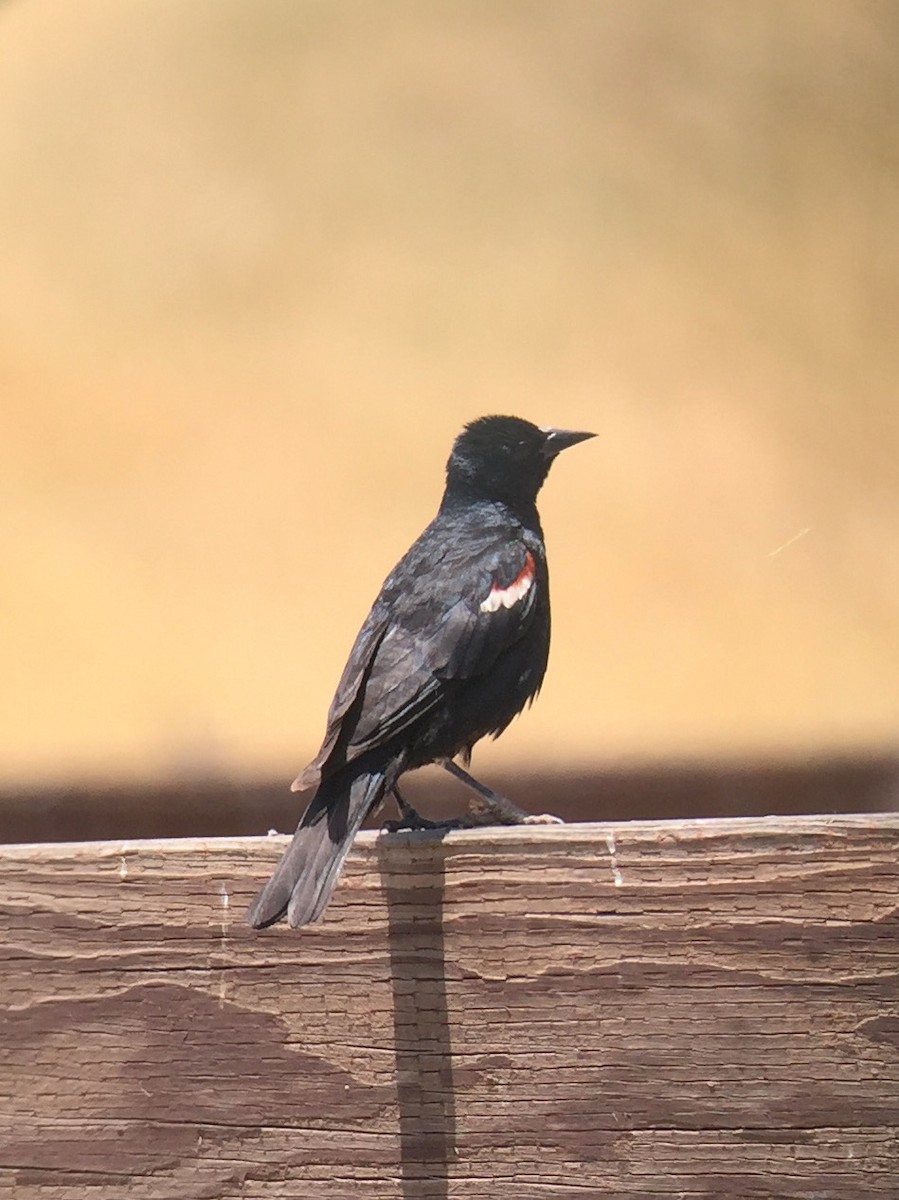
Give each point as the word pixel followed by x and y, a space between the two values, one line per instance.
pixel 260 262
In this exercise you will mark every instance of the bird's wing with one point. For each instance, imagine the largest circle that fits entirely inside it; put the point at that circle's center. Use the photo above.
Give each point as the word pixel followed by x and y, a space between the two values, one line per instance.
pixel 444 625
pixel 357 668
pixel 489 617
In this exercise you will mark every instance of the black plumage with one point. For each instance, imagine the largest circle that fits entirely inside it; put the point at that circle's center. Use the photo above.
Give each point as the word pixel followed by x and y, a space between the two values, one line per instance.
pixel 455 646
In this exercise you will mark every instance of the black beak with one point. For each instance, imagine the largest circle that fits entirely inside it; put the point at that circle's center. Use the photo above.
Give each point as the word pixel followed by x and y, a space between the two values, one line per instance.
pixel 558 440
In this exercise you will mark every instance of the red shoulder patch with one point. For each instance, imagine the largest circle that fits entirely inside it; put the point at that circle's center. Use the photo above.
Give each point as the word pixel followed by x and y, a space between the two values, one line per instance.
pixel 505 597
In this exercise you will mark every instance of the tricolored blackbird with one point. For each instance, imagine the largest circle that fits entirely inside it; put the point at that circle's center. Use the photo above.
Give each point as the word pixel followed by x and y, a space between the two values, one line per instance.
pixel 454 647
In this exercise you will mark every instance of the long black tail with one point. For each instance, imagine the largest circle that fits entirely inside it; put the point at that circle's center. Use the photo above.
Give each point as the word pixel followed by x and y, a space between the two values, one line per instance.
pixel 310 866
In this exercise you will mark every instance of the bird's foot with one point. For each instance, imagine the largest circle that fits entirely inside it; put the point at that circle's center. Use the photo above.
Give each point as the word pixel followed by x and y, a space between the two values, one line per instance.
pixel 411 818
pixel 489 808
pixel 497 810
pixel 492 808
pixel 415 821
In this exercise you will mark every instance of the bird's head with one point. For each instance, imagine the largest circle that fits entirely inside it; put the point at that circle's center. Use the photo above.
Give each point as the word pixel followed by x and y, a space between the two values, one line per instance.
pixel 505 458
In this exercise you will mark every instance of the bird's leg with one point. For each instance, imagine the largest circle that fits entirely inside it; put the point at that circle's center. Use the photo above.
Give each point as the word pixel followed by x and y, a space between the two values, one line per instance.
pixel 494 809
pixel 411 818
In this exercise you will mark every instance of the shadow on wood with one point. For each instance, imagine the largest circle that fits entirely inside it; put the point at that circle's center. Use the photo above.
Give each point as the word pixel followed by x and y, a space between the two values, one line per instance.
pixel 421 1020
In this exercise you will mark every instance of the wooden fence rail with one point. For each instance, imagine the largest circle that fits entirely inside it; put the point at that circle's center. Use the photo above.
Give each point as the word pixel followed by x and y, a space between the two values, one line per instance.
pixel 678 1009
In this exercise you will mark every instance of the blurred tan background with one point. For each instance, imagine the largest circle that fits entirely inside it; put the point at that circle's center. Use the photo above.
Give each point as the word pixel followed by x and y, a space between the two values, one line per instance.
pixel 261 261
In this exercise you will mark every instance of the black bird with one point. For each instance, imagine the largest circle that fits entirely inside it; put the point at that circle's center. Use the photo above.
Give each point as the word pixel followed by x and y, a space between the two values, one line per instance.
pixel 454 647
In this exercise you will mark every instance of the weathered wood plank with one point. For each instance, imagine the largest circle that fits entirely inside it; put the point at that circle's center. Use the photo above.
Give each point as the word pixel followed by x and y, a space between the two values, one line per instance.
pixel 705 1008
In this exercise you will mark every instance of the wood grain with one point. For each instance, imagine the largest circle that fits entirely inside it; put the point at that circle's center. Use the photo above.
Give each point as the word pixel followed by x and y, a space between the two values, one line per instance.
pixel 646 1009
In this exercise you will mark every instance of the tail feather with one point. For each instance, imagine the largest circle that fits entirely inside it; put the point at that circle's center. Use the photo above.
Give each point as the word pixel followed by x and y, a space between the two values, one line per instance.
pixel 304 879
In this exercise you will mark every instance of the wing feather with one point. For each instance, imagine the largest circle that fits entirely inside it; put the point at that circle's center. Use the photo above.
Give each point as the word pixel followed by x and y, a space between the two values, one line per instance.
pixel 416 641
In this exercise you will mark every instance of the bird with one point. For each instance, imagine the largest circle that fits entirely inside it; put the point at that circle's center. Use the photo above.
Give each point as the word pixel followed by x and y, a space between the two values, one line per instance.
pixel 454 647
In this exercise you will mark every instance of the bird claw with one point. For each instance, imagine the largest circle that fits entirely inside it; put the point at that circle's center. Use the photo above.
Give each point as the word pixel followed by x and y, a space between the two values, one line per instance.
pixel 416 822
pixel 497 810
pixel 484 814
